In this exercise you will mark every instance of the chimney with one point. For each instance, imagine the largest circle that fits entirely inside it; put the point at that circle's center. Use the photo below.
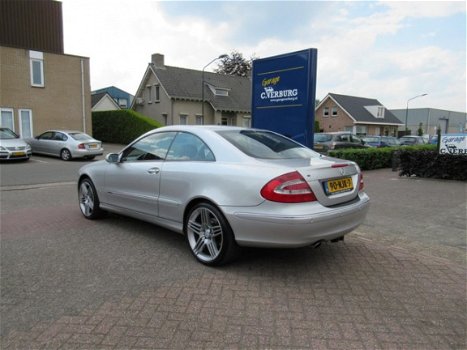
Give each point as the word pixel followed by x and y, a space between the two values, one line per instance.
pixel 157 60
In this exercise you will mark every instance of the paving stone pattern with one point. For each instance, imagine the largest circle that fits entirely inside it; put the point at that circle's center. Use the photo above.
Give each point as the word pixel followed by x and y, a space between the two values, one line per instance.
pixel 359 294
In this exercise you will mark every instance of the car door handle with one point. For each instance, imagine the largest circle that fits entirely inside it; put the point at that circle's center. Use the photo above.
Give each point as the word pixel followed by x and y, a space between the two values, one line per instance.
pixel 153 171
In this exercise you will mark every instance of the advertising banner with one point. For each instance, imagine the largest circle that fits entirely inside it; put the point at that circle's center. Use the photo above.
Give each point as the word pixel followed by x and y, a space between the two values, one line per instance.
pixel 455 144
pixel 284 92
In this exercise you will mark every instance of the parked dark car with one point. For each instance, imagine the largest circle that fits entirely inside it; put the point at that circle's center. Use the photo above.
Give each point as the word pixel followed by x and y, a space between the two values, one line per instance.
pixel 381 141
pixel 324 142
pixel 411 140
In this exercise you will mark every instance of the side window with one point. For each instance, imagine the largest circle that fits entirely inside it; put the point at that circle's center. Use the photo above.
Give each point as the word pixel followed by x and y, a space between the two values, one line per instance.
pixel 152 147
pixel 46 136
pixel 345 138
pixel 356 139
pixel 190 148
pixel 60 137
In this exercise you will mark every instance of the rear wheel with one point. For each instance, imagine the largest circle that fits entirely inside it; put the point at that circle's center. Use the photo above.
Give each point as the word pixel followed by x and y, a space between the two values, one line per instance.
pixel 88 200
pixel 65 154
pixel 209 235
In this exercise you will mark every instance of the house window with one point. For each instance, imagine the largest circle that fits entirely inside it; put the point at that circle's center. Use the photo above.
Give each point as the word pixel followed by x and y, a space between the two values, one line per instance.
pixel 227 121
pixel 361 130
pixel 334 111
pixel 199 120
pixel 37 68
pixel 25 123
pixel 6 118
pixel 157 93
pixel 222 92
pixel 380 113
pixel 149 87
pixel 164 119
pixel 183 119
pixel 326 112
pixel 122 102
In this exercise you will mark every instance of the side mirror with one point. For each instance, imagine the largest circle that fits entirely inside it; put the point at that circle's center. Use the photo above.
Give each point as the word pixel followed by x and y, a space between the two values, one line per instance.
pixel 112 158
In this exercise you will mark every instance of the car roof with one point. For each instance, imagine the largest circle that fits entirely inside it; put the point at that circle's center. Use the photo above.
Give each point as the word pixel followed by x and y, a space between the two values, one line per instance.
pixel 65 131
pixel 200 127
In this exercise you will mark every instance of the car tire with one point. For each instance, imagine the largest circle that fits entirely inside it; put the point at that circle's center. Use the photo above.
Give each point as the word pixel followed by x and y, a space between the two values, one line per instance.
pixel 88 200
pixel 65 154
pixel 209 235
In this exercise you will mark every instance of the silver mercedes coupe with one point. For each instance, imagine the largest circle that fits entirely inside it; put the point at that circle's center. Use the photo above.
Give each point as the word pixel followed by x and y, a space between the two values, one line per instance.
pixel 227 187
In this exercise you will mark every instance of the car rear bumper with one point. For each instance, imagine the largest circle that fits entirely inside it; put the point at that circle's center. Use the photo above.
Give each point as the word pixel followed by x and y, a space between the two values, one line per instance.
pixel 87 153
pixel 260 228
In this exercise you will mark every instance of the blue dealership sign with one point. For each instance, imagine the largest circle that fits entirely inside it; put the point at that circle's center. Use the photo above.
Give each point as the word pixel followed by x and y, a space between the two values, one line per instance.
pixel 284 92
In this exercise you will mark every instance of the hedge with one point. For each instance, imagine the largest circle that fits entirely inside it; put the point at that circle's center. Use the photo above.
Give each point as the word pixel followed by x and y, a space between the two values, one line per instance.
pixel 374 158
pixel 428 163
pixel 368 158
pixel 121 126
pixel 422 161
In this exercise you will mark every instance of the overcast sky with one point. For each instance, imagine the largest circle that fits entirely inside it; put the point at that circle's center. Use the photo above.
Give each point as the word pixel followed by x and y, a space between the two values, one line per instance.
pixel 391 51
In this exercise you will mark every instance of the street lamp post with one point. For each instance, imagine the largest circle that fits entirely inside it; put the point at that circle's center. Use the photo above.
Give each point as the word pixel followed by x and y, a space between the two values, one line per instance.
pixel 407 108
pixel 202 82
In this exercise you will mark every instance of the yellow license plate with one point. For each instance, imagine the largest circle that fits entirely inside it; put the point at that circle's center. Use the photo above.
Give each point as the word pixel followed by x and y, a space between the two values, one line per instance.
pixel 318 147
pixel 19 154
pixel 340 185
pixel 92 146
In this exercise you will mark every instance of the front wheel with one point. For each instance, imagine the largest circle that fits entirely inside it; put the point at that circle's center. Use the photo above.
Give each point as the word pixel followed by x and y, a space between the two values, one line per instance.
pixel 88 200
pixel 209 235
pixel 65 154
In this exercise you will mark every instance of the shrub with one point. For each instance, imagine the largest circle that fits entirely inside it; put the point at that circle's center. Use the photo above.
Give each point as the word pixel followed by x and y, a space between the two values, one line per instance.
pixel 375 158
pixel 368 158
pixel 121 126
pixel 428 163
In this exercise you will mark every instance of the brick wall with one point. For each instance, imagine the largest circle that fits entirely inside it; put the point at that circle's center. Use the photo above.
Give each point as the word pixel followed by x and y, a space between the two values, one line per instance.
pixel 57 105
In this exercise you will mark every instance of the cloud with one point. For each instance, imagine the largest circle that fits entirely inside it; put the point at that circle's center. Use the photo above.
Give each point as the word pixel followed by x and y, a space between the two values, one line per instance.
pixel 425 9
pixel 358 42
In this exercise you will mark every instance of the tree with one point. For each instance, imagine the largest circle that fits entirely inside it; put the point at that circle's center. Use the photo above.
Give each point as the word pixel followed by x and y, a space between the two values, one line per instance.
pixel 235 64
pixel 420 129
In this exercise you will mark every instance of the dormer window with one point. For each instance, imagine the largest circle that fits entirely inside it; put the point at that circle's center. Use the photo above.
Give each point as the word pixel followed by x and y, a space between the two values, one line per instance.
pixel 376 111
pixel 219 91
pixel 380 112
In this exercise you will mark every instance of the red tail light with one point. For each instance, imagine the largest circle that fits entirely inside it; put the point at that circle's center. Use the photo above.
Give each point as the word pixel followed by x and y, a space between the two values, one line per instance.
pixel 81 146
pixel 288 188
pixel 361 185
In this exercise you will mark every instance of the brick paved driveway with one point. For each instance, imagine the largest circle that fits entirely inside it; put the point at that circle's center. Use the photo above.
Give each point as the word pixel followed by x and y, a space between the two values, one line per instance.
pixel 116 283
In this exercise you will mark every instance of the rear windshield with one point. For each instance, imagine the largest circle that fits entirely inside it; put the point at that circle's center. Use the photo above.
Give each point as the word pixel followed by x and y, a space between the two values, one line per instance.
pixel 322 138
pixel 266 145
pixel 79 136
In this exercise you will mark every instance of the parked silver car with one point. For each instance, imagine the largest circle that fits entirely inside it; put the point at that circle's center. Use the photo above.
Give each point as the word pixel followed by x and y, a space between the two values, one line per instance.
pixel 225 187
pixel 66 144
pixel 12 146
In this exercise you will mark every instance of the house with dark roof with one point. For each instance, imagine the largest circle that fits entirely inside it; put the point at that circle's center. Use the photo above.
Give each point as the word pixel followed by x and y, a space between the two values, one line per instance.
pixel 122 98
pixel 102 101
pixel 359 115
pixel 173 95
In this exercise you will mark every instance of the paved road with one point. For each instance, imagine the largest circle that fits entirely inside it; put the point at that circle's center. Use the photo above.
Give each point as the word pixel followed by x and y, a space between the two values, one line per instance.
pixel 43 169
pixel 116 283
